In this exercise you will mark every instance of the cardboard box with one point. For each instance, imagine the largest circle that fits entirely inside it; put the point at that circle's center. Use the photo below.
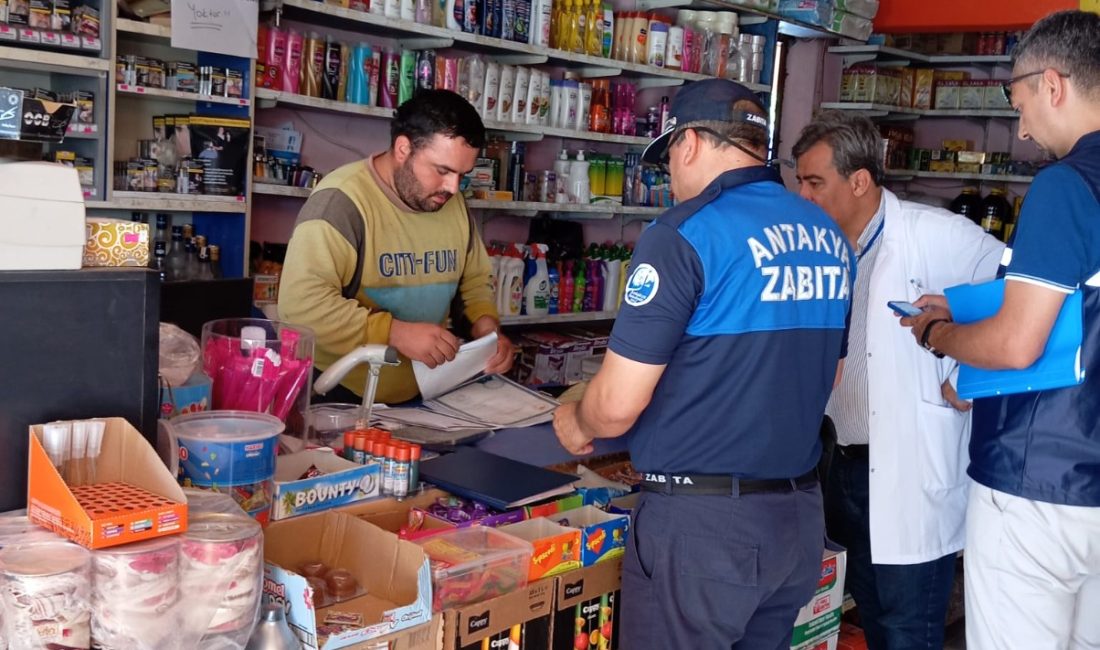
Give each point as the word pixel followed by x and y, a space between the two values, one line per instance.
pixel 551 359
pixel 603 535
pixel 948 95
pixel 428 636
pixel 519 620
pixel 394 573
pixel 824 644
pixel 923 85
pixel 995 96
pixel 586 604
pixel 115 242
pixel 972 95
pixel 343 482
pixel 820 618
pixel 390 514
pixel 905 90
pixel 556 548
pixel 958 145
pixel 134 496
pixel 551 508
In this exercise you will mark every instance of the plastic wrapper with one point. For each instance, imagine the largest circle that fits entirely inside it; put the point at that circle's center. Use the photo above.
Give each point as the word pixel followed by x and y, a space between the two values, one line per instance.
pixel 221 576
pixel 205 502
pixel 45 591
pixel 136 588
pixel 179 354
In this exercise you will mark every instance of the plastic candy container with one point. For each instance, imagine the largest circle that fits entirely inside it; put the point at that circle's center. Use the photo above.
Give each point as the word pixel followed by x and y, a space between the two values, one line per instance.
pixel 470 565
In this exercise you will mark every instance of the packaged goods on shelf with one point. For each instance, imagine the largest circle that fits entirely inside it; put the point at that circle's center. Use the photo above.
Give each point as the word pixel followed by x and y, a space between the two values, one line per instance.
pixel 866 8
pixel 115 242
pixel 948 95
pixel 923 88
pixel 181 76
pixel 815 12
pixel 850 25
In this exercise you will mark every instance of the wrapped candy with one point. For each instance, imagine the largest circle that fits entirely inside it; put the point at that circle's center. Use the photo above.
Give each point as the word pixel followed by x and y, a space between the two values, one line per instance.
pixel 222 555
pixel 136 586
pixel 45 588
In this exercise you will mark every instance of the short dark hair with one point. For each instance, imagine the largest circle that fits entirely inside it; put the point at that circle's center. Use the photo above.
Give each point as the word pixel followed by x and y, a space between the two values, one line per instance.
pixel 437 112
pixel 1068 41
pixel 855 141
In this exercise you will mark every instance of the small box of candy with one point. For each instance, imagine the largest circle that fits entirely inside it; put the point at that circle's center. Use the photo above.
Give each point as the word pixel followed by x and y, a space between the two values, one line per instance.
pixel 365 582
pixel 473 564
pixel 315 480
pixel 603 535
pixel 555 548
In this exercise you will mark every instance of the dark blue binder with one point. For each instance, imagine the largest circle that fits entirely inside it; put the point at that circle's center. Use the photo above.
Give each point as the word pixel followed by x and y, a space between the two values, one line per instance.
pixel 498 482
pixel 1058 367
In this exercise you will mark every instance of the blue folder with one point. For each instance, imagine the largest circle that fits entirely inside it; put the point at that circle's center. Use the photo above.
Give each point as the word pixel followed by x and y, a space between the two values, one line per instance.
pixel 1058 367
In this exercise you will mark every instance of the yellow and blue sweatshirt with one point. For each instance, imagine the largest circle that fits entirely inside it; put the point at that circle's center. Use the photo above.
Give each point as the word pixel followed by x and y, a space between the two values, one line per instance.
pixel 358 258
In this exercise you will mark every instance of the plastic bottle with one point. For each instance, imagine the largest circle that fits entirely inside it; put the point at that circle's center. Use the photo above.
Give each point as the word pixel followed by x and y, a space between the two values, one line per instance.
pixel 578 27
pixel 491 92
pixel 593 39
pixel 275 58
pixel 359 74
pixel 568 282
pixel 536 293
pixel 561 172
pixel 507 93
pixel 544 103
pixel 580 190
pixel 406 76
pixel 449 18
pixel 968 204
pixel 292 64
pixel 674 51
pixel 389 81
pixel 579 284
pixel 414 468
pixel 514 276
pixel 638 39
pixel 534 96
pixel 621 23
pixel 542 12
pixel 425 72
pixel 571 97
pixel 401 471
pixel 658 41
pixel 996 211
pixel 685 20
pixel 584 107
pixel 554 279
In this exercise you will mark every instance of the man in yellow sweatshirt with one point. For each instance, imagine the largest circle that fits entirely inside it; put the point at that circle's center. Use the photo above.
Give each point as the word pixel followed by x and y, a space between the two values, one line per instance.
pixel 383 245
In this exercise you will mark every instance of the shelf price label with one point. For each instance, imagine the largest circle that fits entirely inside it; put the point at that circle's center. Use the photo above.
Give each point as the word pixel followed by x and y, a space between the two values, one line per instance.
pixel 11 111
pixel 7 32
pixel 70 40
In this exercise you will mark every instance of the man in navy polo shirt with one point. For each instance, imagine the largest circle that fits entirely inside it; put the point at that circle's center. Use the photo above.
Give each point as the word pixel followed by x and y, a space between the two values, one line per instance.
pixel 719 368
pixel 1032 561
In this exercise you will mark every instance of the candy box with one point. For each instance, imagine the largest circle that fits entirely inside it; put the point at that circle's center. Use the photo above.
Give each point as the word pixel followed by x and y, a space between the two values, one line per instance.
pixel 556 549
pixel 340 482
pixel 393 574
pixel 131 497
pixel 551 508
pixel 586 607
pixel 820 618
pixel 115 242
pixel 519 620
pixel 603 535
pixel 470 565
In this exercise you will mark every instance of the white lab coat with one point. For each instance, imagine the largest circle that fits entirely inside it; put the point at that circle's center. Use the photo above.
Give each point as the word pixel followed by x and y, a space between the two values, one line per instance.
pixel 918 442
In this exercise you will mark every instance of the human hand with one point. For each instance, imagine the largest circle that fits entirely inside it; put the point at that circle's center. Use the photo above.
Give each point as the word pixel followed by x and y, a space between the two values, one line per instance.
pixel 501 362
pixel 567 427
pixel 933 308
pixel 952 397
pixel 427 343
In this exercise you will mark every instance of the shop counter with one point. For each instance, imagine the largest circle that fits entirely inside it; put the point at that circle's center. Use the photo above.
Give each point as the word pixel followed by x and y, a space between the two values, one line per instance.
pixel 538 445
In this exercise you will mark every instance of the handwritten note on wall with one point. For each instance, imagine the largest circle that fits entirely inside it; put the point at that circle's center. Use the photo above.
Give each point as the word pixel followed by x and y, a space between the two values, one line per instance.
pixel 222 26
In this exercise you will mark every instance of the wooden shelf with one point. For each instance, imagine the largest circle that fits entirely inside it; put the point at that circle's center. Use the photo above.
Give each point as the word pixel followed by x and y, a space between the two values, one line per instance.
pixel 178 96
pixel 609 209
pixel 45 61
pixel 572 317
pixel 270 189
pixel 903 175
pixel 143 28
pixel 311 11
pixel 882 110
pixel 157 202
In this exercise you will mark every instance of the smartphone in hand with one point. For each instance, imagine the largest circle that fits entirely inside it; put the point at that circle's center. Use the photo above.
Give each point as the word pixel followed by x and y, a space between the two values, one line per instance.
pixel 903 308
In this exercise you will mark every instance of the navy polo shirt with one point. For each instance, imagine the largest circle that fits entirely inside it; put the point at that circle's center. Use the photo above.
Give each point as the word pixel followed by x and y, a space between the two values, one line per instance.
pixel 743 293
pixel 1045 445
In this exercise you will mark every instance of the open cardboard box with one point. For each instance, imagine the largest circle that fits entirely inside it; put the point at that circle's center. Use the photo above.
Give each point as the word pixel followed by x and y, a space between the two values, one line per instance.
pixel 587 604
pixel 134 496
pixel 391 514
pixel 343 482
pixel 603 535
pixel 394 573
pixel 557 548
pixel 519 620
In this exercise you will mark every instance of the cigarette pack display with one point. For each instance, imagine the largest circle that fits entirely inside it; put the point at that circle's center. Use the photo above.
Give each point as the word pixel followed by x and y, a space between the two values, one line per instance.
pixel 186 78
pixel 221 143
pixel 132 498
pixel 40 12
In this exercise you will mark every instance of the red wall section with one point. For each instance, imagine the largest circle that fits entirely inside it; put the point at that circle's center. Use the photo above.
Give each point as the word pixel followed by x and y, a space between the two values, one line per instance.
pixel 964 16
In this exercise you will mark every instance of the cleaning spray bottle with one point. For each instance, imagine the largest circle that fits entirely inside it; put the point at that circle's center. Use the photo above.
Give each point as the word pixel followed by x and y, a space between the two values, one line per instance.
pixel 554 277
pixel 536 294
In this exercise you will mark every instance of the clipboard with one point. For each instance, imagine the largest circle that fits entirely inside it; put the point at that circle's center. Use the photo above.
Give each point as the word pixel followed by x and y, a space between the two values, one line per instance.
pixel 1058 367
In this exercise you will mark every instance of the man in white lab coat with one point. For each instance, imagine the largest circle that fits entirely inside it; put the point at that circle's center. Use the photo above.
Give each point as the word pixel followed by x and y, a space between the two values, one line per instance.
pixel 896 489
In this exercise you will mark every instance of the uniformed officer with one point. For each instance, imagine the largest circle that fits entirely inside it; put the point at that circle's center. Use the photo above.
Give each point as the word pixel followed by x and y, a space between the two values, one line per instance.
pixel 719 368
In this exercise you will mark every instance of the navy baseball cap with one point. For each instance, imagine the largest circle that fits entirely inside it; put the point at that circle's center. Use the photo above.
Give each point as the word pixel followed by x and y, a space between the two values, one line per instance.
pixel 709 100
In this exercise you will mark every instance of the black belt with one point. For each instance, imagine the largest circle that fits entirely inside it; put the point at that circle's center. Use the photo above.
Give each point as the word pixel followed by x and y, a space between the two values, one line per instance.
pixel 854 452
pixel 701 484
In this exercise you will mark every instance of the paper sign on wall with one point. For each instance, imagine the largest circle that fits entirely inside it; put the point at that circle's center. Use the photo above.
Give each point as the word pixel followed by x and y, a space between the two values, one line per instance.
pixel 222 26
pixel 1091 5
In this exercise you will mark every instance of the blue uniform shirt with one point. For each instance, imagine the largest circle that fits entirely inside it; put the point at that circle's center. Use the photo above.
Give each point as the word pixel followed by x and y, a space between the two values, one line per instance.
pixel 1046 445
pixel 743 293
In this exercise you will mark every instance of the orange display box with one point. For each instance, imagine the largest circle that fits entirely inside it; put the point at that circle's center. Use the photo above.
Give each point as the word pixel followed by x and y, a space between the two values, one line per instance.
pixel 133 498
pixel 557 548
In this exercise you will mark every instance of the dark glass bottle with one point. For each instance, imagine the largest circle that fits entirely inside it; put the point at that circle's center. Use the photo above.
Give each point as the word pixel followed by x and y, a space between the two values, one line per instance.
pixel 968 204
pixel 996 211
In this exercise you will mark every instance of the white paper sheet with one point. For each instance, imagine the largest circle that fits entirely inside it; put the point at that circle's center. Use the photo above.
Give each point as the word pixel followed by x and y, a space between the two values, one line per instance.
pixel 467 364
pixel 221 26
pixel 496 402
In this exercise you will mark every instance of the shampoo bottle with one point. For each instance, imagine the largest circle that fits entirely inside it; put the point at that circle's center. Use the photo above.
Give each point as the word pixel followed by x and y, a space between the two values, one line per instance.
pixel 565 299
pixel 561 172
pixel 579 184
pixel 579 284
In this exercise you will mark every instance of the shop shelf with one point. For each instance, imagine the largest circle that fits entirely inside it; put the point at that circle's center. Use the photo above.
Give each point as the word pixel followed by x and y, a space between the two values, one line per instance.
pixel 267 95
pixel 883 53
pixel 575 317
pixel 41 60
pixel 536 207
pixel 157 202
pixel 423 35
pixel 882 110
pixel 271 189
pixel 143 28
pixel 83 131
pixel 749 15
pixel 178 96
pixel 903 174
